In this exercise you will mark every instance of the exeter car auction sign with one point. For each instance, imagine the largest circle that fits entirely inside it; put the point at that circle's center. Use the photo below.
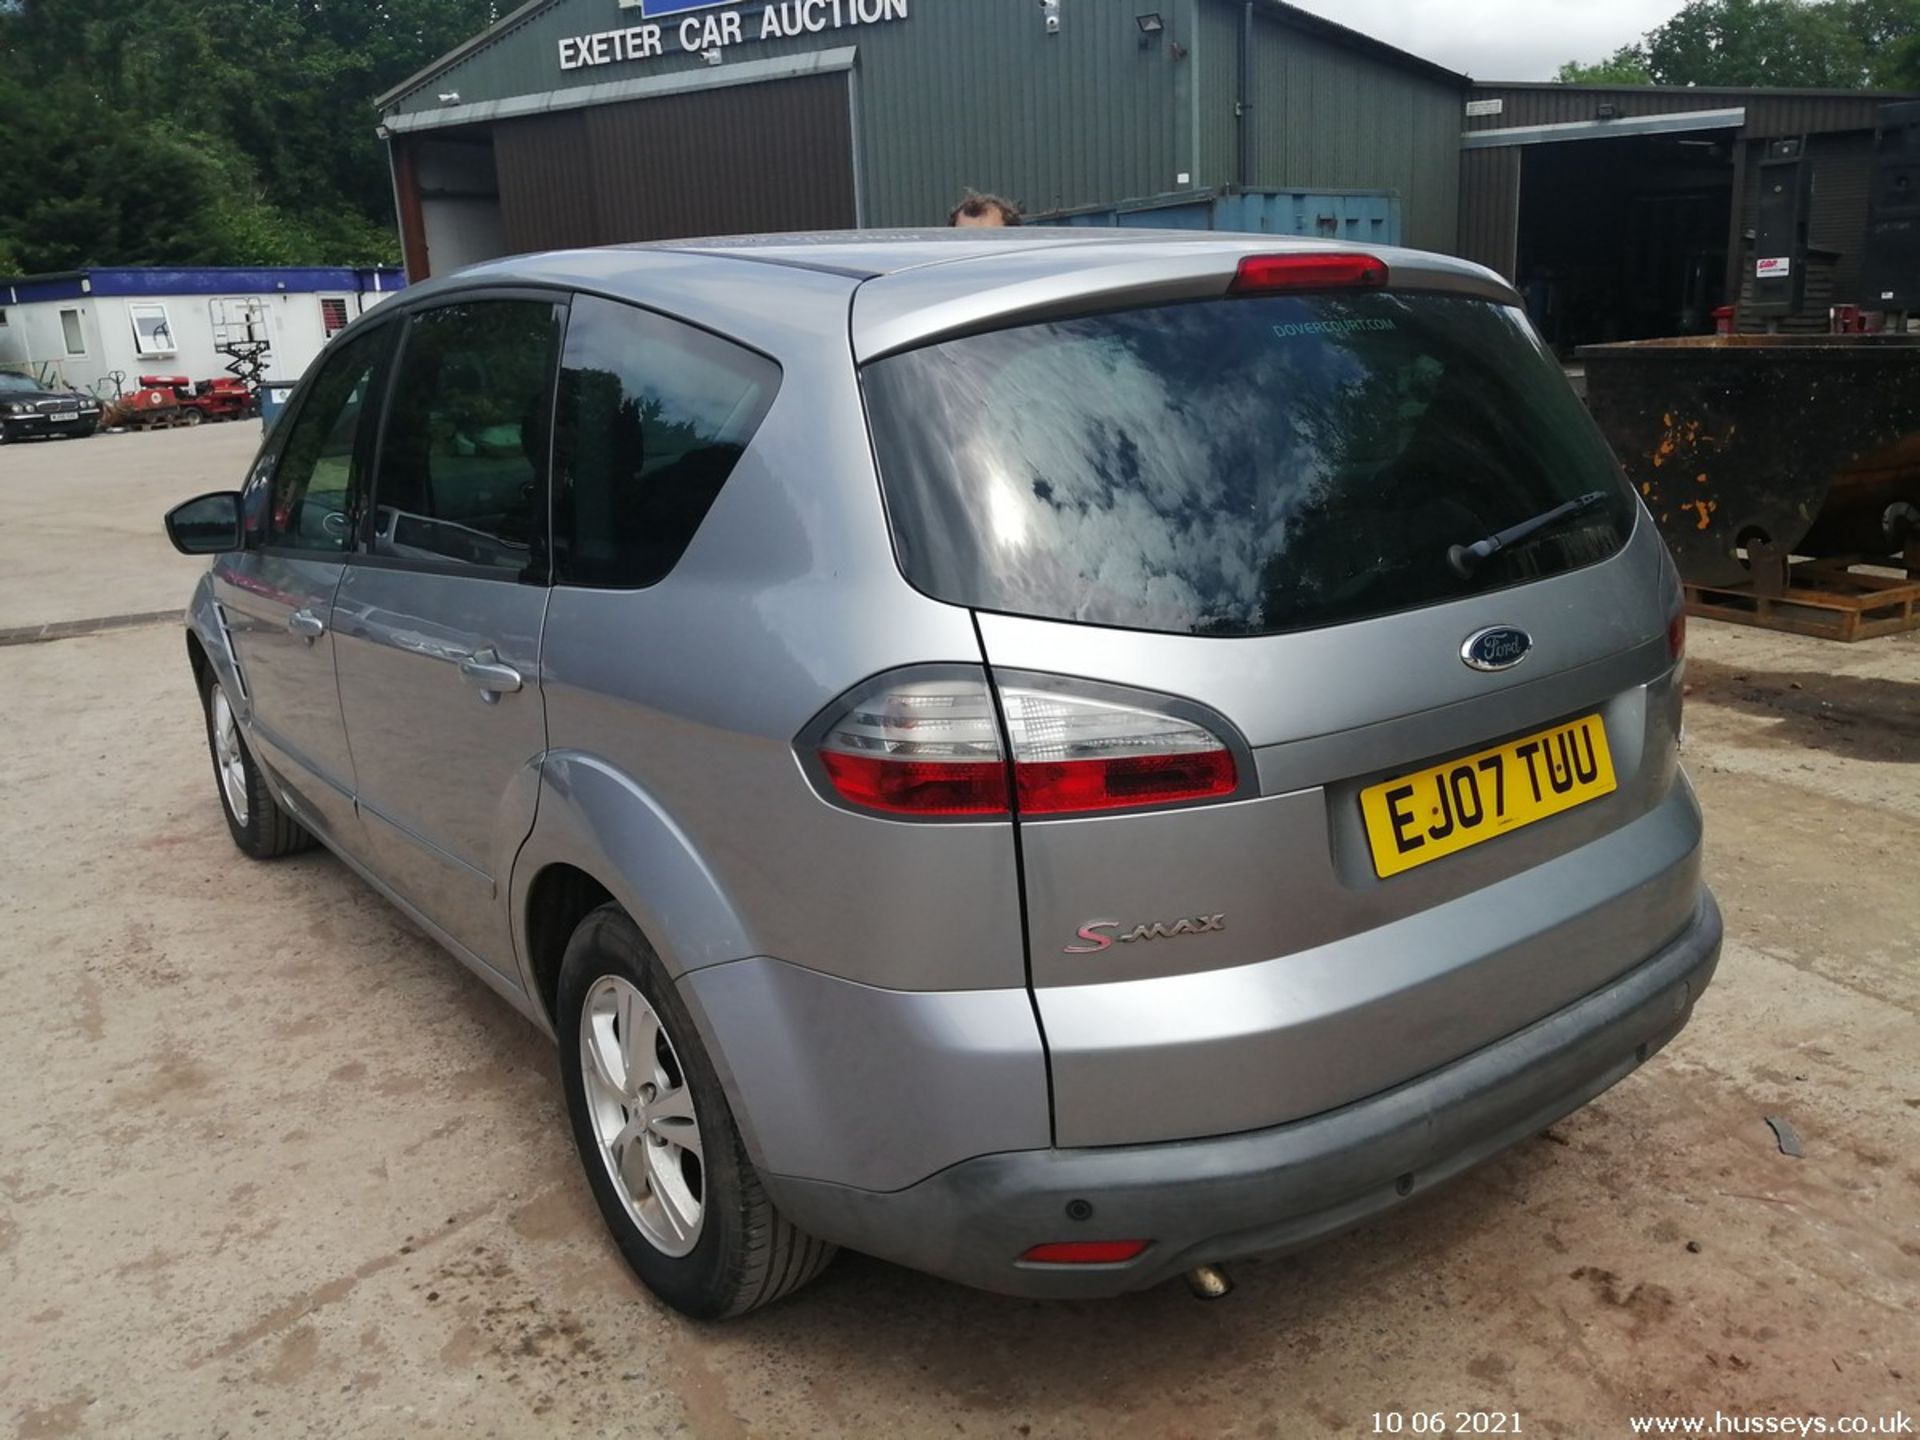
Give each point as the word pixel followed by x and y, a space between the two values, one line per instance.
pixel 709 33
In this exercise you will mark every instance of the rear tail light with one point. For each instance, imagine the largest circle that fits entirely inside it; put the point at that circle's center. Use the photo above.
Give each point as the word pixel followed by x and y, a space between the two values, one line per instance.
pixel 922 747
pixel 930 746
pixel 1085 1252
pixel 1677 654
pixel 1075 755
pixel 1274 274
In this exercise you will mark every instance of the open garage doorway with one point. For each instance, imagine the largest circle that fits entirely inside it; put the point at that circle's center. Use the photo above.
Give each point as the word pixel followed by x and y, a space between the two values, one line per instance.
pixel 1627 238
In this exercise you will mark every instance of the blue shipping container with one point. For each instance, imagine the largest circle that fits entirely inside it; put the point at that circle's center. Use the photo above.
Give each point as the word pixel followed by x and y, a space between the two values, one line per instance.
pixel 1370 216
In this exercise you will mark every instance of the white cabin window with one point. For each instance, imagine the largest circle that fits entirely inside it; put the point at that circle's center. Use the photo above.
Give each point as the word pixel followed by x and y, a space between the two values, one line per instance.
pixel 152 330
pixel 333 313
pixel 70 328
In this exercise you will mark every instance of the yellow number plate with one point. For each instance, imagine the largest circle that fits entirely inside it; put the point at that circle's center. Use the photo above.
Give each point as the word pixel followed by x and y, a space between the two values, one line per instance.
pixel 1456 806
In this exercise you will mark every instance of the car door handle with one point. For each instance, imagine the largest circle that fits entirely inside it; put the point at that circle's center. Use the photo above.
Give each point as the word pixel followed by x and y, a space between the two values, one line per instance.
pixel 306 624
pixel 484 671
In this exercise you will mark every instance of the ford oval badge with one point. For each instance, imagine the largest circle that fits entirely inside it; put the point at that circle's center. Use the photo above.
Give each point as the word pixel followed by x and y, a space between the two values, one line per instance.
pixel 1500 647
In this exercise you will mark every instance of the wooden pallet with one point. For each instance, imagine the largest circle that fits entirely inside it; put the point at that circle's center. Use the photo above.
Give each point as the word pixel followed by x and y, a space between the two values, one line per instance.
pixel 1828 599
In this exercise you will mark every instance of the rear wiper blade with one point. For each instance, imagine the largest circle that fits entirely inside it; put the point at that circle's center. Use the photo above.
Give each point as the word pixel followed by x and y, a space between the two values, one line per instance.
pixel 1465 559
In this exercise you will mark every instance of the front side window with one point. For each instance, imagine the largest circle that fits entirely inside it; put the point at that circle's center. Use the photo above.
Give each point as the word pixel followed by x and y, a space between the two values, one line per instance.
pixel 463 461
pixel 1245 466
pixel 313 479
pixel 653 417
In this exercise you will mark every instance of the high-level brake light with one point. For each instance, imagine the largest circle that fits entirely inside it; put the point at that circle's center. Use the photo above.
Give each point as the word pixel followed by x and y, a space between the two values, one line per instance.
pixel 931 748
pixel 1278 274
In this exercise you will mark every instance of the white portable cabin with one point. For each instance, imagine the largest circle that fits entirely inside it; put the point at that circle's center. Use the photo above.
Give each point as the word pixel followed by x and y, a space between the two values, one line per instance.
pixel 84 328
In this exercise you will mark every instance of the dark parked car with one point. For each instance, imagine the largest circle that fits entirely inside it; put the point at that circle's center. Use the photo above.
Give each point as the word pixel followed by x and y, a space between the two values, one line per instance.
pixel 28 408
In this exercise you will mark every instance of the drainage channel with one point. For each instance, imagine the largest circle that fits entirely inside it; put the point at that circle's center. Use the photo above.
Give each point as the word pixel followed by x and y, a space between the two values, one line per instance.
pixel 68 629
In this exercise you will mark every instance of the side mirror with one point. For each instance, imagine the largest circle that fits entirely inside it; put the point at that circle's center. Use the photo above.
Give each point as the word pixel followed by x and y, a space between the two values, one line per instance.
pixel 207 525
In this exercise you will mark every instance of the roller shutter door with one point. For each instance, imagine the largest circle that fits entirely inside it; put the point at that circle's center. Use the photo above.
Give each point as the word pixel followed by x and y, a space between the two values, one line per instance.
pixel 741 160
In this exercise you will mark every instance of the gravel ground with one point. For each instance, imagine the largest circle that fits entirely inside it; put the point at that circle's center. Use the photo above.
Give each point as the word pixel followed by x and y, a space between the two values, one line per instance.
pixel 80 535
pixel 272 1164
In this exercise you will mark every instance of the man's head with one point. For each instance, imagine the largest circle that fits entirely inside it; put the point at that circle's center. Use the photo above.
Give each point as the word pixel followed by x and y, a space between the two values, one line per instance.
pixel 983 211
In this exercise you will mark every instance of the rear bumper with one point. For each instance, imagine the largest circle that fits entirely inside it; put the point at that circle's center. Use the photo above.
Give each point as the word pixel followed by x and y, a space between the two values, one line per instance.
pixel 1265 1191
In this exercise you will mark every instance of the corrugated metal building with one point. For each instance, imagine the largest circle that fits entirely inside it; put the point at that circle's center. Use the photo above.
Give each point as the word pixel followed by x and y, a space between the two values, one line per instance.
pixel 596 121
pixel 1629 212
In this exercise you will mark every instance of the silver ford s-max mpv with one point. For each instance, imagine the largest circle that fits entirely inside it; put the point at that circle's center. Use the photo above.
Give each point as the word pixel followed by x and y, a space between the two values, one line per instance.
pixel 1054 759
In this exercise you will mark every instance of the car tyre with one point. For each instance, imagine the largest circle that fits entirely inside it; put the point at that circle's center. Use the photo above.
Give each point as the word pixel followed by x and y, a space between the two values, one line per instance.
pixel 684 1202
pixel 259 825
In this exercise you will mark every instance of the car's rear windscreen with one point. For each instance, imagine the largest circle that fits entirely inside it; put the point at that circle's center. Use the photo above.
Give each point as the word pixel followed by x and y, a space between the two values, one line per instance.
pixel 1238 467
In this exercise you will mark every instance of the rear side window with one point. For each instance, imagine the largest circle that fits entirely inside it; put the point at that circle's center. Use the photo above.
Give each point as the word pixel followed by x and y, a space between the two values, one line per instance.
pixel 463 461
pixel 1238 467
pixel 314 477
pixel 653 416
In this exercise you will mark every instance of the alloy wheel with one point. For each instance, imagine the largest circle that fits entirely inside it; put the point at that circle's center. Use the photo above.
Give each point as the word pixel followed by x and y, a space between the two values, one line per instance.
pixel 228 758
pixel 642 1115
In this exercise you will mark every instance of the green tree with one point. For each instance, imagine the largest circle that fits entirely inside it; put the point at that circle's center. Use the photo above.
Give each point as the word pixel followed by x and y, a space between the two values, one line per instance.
pixel 1810 44
pixel 1889 32
pixel 206 131
pixel 1758 42
pixel 1626 66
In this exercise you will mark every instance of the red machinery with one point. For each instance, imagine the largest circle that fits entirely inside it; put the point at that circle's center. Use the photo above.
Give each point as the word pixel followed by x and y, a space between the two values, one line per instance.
pixel 224 398
pixel 163 401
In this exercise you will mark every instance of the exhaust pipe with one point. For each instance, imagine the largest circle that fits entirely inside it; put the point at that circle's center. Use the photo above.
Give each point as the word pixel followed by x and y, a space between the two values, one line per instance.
pixel 1209 1282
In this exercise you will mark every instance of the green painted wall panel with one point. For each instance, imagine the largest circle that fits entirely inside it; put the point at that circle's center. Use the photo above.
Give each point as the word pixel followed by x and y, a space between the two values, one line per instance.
pixel 1327 118
pixel 976 92
pixel 1217 62
pixel 962 92
pixel 1049 120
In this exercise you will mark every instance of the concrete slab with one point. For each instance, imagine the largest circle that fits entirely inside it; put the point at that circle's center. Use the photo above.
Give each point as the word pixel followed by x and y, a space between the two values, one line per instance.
pixel 271 1163
pixel 80 520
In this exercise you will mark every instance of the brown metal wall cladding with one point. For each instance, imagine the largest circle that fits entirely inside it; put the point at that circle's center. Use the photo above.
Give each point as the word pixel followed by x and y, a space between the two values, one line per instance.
pixel 546 182
pixel 1769 113
pixel 747 159
pixel 1490 207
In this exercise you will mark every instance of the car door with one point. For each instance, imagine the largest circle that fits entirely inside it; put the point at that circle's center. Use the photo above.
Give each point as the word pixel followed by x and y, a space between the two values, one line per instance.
pixel 277 596
pixel 439 614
